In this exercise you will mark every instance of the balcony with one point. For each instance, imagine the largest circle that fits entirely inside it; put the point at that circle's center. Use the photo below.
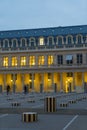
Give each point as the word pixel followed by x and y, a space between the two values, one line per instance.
pixel 45 48
pixel 27 68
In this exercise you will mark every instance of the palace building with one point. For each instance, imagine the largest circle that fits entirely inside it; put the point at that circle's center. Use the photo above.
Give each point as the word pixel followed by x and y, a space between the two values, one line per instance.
pixel 44 59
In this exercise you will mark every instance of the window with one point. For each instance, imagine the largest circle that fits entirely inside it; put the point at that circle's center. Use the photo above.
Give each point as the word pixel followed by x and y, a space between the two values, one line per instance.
pixel 59 59
pixel 23 61
pixel 5 61
pixel 69 59
pixel 23 42
pixel 79 59
pixel 32 41
pixel 69 40
pixel 6 43
pixel 41 41
pixel 14 43
pixel 79 39
pixel 41 60
pixel 50 41
pixel 32 60
pixel 60 41
pixel 50 60
pixel 14 61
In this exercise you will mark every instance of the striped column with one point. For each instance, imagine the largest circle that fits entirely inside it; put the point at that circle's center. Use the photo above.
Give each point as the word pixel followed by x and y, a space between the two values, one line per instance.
pixel 50 104
pixel 29 116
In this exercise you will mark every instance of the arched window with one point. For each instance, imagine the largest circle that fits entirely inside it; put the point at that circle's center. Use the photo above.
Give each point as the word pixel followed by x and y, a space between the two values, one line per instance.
pixel 50 41
pixel 14 43
pixel 79 39
pixel 23 42
pixel 6 43
pixel 32 42
pixel 86 39
pixel 69 39
pixel 60 41
pixel 41 41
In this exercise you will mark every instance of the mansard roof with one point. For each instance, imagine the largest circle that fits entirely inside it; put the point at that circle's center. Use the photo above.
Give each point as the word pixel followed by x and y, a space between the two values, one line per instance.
pixel 51 31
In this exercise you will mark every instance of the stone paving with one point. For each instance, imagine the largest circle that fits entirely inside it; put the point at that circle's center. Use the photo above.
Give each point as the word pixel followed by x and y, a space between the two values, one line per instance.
pixel 72 117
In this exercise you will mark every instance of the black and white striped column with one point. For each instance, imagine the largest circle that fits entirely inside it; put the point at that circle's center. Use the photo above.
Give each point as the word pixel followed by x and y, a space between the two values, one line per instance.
pixel 50 104
pixel 29 116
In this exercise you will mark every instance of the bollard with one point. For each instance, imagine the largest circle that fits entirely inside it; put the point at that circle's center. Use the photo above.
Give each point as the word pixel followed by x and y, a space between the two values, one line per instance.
pixel 64 104
pixel 29 116
pixel 50 104
pixel 15 104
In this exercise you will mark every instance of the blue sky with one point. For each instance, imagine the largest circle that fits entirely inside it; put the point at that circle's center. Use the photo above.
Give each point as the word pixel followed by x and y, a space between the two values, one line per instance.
pixel 26 14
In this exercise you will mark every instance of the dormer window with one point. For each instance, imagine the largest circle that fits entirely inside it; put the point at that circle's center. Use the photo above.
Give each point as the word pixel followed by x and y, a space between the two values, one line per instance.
pixel 79 39
pixel 32 41
pixel 50 40
pixel 69 39
pixel 14 42
pixel 41 41
pixel 6 43
pixel 60 41
pixel 23 42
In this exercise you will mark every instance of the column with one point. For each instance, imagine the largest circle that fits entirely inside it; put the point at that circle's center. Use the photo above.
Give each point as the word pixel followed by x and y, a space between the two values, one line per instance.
pixel 43 80
pixel 61 81
pixel 22 81
pixel 33 76
pixel 4 80
pixel 46 63
pixel 55 60
pixel 74 59
pixel 18 60
pixel 64 59
pixel 53 81
pixel 14 85
pixel 27 61
pixel 36 60
pixel 9 61
pixel 84 59
pixel 82 81
pixel 74 81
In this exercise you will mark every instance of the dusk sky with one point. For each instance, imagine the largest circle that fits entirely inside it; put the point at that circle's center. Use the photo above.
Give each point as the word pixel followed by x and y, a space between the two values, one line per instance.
pixel 26 14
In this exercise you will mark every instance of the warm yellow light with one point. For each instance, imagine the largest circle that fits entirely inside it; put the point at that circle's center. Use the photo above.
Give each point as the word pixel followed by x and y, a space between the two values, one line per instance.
pixel 48 79
pixel 23 61
pixel 68 80
pixel 41 60
pixel 5 61
pixel 14 61
pixel 32 60
pixel 41 41
pixel 50 60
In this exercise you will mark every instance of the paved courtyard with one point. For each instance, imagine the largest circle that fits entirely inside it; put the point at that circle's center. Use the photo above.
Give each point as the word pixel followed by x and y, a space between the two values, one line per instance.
pixel 72 117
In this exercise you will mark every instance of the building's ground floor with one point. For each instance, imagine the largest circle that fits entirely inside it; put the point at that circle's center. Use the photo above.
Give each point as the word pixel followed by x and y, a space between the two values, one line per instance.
pixel 44 82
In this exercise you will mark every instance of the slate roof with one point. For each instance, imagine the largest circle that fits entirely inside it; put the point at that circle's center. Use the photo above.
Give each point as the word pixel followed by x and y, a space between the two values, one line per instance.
pixel 51 31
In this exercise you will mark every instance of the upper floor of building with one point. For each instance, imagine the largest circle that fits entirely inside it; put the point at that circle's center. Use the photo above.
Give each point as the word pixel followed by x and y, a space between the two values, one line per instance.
pixel 44 38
